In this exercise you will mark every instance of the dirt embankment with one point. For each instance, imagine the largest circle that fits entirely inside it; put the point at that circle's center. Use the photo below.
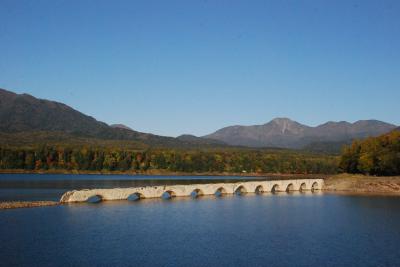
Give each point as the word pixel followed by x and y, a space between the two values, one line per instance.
pixel 349 183
pixel 26 204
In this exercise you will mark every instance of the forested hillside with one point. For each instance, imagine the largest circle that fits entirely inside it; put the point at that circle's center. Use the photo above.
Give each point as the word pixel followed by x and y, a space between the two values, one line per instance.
pixel 374 156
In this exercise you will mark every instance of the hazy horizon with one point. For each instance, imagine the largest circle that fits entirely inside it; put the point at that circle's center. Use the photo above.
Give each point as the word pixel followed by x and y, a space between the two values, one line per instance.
pixel 176 67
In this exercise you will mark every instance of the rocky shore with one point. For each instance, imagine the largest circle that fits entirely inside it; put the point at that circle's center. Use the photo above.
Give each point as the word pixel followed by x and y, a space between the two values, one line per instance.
pixel 26 204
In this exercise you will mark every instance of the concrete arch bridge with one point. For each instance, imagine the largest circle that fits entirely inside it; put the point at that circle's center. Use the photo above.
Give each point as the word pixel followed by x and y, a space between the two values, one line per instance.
pixel 270 186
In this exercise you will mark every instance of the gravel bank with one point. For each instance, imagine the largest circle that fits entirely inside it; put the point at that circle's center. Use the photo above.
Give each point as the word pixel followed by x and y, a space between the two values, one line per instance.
pixel 26 204
pixel 363 184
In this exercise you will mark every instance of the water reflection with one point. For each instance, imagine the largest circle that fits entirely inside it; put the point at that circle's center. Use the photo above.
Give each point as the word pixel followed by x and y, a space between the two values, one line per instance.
pixel 135 197
pixel 196 193
pixel 94 199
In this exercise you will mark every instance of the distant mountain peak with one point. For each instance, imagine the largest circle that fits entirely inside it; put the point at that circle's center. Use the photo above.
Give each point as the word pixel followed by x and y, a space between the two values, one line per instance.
pixel 282 120
pixel 286 124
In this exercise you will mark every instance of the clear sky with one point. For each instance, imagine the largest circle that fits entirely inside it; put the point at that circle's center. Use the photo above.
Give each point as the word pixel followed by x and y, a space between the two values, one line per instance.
pixel 174 67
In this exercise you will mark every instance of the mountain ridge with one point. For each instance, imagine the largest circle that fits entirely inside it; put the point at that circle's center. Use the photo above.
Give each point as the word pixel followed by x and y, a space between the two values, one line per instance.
pixel 286 133
pixel 23 113
pixel 121 126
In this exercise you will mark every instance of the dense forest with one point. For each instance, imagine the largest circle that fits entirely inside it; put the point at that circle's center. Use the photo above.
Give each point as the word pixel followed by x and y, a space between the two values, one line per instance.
pixel 373 156
pixel 167 160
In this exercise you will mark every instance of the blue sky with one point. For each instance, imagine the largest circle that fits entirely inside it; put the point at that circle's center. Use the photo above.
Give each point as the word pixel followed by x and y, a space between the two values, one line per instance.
pixel 174 67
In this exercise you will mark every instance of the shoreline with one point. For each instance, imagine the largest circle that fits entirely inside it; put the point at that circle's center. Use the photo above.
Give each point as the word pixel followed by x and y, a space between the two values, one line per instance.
pixel 362 184
pixel 26 204
pixel 339 184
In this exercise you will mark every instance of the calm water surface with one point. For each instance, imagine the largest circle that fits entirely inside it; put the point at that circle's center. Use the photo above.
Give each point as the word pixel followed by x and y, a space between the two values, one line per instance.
pixel 250 230
pixel 27 187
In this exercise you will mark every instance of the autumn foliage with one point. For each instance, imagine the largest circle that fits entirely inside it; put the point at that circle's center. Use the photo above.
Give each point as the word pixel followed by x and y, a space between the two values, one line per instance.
pixel 373 156
pixel 167 160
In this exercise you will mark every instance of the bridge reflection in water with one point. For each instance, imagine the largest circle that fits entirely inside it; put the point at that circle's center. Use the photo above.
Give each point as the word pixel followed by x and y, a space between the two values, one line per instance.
pixel 193 190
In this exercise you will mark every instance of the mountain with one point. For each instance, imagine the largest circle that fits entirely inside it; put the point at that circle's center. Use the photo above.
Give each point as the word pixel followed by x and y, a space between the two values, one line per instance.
pixel 25 113
pixel 121 126
pixel 285 133
pixel 28 119
pixel 335 131
pixel 19 113
pixel 25 119
pixel 280 132
pixel 199 140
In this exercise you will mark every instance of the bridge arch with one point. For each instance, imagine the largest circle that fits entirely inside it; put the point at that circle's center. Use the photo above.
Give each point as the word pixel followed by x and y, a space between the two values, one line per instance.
pixel 168 194
pixel 303 187
pixel 240 190
pixel 259 190
pixel 275 188
pixel 95 199
pixel 220 191
pixel 196 193
pixel 315 186
pixel 135 196
pixel 289 188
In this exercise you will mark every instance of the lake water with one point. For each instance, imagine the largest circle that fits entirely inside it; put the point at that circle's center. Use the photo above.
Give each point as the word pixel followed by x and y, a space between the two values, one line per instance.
pixel 26 187
pixel 249 230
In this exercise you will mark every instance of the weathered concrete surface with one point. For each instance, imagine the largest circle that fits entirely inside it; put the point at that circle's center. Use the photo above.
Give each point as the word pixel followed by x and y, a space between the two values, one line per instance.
pixel 201 189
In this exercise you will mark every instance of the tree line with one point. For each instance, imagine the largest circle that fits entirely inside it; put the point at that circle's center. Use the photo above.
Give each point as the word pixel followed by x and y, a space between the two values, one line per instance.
pixel 373 156
pixel 172 160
